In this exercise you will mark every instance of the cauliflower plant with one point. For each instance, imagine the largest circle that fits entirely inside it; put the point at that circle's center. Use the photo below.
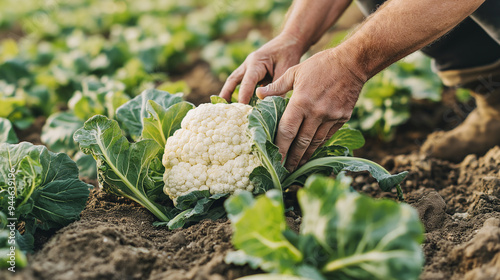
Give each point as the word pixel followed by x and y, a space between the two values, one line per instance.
pixel 211 151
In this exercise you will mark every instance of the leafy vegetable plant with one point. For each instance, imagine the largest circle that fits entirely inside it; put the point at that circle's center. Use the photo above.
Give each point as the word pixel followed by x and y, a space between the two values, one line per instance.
pixel 40 188
pixel 384 102
pixel 334 156
pixel 343 235
pixel 6 245
pixel 102 96
pixel 134 170
pixel 7 133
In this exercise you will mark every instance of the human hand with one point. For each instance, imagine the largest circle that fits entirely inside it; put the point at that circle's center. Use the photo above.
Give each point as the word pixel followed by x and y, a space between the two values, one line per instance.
pixel 268 62
pixel 324 94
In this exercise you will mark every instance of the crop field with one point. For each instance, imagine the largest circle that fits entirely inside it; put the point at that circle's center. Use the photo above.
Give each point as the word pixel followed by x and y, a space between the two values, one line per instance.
pixel 118 160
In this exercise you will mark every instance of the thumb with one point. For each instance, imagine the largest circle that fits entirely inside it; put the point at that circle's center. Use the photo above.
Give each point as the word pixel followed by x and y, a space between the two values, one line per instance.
pixel 279 87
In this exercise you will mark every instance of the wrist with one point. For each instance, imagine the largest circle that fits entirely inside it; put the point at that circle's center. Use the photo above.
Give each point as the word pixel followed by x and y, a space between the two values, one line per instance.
pixel 349 60
pixel 299 42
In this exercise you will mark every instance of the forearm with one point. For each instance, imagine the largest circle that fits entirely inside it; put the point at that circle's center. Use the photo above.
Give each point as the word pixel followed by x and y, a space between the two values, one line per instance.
pixel 398 28
pixel 308 20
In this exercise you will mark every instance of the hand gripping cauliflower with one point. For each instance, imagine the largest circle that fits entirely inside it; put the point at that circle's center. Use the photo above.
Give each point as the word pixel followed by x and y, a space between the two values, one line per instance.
pixel 211 151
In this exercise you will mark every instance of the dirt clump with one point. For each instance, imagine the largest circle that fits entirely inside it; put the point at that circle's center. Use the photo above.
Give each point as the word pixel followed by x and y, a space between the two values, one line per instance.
pixel 454 201
pixel 431 210
pixel 480 257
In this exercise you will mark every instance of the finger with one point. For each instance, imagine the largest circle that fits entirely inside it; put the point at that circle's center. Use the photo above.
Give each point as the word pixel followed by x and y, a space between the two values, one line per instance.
pixel 232 81
pixel 318 140
pixel 280 87
pixel 288 127
pixel 252 76
pixel 302 141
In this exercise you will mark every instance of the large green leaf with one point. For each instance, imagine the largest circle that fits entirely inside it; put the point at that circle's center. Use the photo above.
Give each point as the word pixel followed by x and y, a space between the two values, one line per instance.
pixel 265 118
pixel 196 206
pixel 263 125
pixel 113 100
pixel 347 137
pixel 86 104
pixel 214 99
pixel 332 150
pixel 13 70
pixel 86 165
pixel 7 133
pixel 9 105
pixel 258 231
pixel 122 166
pixel 57 133
pixel 131 115
pixel 164 121
pixel 47 184
pixel 362 237
pixel 337 164
pixel 343 235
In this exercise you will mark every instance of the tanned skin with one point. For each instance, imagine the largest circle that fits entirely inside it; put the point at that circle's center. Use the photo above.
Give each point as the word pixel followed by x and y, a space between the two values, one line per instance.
pixel 327 85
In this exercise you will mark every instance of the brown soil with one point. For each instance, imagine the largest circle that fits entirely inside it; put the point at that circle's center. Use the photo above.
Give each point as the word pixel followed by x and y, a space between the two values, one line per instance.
pixel 458 203
pixel 115 239
pixel 460 207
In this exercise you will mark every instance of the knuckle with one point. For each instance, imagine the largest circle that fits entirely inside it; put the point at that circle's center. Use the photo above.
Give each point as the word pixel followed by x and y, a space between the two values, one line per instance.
pixel 302 142
pixel 233 77
pixel 315 142
pixel 286 131
pixel 273 86
pixel 334 115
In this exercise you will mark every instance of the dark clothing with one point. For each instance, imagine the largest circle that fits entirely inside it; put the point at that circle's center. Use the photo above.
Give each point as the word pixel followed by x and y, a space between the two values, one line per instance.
pixel 474 42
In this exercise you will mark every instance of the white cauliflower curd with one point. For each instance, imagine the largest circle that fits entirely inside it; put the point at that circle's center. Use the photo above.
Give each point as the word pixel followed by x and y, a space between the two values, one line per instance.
pixel 211 151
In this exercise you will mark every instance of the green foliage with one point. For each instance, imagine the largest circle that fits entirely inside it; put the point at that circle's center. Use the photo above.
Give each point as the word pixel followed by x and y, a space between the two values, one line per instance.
pixel 7 133
pixel 97 97
pixel 40 188
pixel 134 170
pixel 263 125
pixel 131 115
pixel 163 122
pixel 214 99
pixel 175 87
pixel 342 143
pixel 137 44
pixel 343 235
pixel 261 232
pixel 384 102
pixel 225 57
pixel 122 166
pixel 347 137
pixel 57 133
pixel 332 157
pixel 6 228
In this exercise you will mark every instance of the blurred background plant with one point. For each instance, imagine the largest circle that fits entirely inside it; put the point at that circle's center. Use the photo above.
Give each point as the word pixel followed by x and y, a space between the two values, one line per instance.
pixel 67 60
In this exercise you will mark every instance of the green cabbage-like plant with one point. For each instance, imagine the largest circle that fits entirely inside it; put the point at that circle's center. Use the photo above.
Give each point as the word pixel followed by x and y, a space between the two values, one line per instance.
pixel 134 170
pixel 40 188
pixel 343 235
pixel 7 133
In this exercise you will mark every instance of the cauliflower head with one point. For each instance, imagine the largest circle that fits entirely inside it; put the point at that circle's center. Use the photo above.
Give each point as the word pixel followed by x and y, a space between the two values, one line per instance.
pixel 211 151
